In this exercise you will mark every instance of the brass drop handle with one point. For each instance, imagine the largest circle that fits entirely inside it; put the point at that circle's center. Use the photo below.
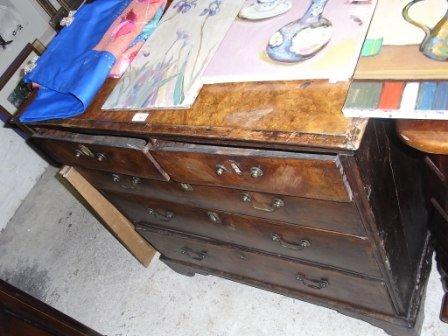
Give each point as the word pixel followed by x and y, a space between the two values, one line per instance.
pixel 136 180
pixel 100 157
pixel 116 178
pixel 166 217
pixel 276 203
pixel 193 254
pixel 299 246
pixel 186 187
pixel 256 172
pixel 312 283
pixel 220 170
pixel 214 217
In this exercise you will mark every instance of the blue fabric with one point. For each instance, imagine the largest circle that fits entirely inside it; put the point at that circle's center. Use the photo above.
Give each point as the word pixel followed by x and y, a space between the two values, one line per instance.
pixel 70 73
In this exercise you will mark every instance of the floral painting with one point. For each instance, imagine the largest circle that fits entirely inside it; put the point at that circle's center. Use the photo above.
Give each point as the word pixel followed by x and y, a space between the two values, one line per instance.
pixel 168 70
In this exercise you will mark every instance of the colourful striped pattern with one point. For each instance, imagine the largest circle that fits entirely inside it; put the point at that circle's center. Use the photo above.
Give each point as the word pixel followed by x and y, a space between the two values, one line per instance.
pixel 397 99
pixel 391 95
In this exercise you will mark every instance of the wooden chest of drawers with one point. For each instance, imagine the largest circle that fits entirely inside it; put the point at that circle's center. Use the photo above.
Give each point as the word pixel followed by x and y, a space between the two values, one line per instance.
pixel 331 212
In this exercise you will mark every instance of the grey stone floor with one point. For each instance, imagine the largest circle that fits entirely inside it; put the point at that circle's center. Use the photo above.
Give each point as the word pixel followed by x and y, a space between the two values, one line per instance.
pixel 54 249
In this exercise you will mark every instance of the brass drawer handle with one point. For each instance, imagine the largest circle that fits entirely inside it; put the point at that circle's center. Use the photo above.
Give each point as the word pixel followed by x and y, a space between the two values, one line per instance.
pixel 78 153
pixel 277 203
pixel 214 217
pixel 186 187
pixel 256 172
pixel 312 283
pixel 220 170
pixel 166 217
pixel 100 157
pixel 136 180
pixel 193 254
pixel 292 246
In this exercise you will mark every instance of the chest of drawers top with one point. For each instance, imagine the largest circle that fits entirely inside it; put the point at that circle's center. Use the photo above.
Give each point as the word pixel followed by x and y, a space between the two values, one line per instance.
pixel 277 115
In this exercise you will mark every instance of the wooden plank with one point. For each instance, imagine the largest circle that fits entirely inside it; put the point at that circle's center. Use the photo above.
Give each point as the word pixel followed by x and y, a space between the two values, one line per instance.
pixel 114 220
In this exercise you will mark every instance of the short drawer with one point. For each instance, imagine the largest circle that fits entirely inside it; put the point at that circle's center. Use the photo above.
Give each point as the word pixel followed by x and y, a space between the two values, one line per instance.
pixel 286 173
pixel 437 185
pixel 320 282
pixel 335 216
pixel 324 247
pixel 108 153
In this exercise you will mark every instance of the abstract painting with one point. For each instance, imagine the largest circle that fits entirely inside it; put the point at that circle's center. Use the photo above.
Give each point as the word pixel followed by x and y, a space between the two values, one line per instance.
pixel 315 39
pixel 167 71
pixel 398 100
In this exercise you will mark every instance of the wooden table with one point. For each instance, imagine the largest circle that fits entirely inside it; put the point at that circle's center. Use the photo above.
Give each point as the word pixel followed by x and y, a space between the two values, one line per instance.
pixel 431 138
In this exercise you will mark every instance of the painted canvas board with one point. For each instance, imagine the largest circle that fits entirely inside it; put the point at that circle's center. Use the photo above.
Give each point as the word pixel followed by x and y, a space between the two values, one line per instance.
pixel 398 54
pixel 398 100
pixel 405 76
pixel 167 71
pixel 243 54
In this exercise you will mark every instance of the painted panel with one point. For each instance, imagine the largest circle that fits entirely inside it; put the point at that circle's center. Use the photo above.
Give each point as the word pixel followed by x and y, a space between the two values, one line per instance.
pixel 268 49
pixel 167 71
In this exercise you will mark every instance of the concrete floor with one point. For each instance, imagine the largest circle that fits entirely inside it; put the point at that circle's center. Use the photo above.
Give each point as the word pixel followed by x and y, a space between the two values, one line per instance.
pixel 54 249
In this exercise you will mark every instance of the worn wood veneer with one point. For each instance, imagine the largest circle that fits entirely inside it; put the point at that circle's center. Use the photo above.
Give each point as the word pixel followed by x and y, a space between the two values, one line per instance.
pixel 296 113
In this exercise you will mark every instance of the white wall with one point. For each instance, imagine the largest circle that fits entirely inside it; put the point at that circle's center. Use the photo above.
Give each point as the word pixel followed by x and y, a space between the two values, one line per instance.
pixel 20 166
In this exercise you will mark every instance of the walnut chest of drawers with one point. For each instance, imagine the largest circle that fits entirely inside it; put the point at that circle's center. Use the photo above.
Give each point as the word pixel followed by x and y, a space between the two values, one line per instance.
pixel 267 185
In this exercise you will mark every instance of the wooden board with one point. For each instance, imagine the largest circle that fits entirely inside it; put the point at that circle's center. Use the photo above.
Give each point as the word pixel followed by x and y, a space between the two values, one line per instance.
pixel 120 226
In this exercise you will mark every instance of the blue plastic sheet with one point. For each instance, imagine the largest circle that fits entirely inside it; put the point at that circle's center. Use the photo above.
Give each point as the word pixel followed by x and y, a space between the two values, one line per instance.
pixel 70 72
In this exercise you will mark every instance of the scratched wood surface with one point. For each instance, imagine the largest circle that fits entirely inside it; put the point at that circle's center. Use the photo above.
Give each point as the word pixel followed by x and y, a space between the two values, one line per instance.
pixel 294 113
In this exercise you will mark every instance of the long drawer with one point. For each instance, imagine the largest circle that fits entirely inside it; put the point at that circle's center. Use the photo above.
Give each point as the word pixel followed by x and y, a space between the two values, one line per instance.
pixel 337 250
pixel 335 216
pixel 320 282
pixel 108 153
pixel 286 173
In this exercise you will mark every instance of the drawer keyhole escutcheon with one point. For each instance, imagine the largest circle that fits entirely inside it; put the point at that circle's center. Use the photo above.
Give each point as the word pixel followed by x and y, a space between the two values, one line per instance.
pixel 256 172
pixel 312 283
pixel 303 243
pixel 166 217
pixel 193 254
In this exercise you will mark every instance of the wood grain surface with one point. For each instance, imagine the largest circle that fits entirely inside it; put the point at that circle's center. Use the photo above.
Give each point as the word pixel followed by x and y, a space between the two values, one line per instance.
pixel 295 113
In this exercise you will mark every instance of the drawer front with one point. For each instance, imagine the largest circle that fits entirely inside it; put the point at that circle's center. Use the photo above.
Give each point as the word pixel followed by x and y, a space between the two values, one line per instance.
pixel 320 282
pixel 437 185
pixel 333 249
pixel 114 154
pixel 294 174
pixel 335 216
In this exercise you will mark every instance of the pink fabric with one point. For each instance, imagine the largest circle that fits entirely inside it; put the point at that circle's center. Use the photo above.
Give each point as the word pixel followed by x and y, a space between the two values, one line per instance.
pixel 128 26
pixel 125 60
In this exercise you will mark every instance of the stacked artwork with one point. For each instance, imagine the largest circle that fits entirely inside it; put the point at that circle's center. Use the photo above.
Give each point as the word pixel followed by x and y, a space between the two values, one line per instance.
pixel 407 77
pixel 315 39
pixel 167 71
